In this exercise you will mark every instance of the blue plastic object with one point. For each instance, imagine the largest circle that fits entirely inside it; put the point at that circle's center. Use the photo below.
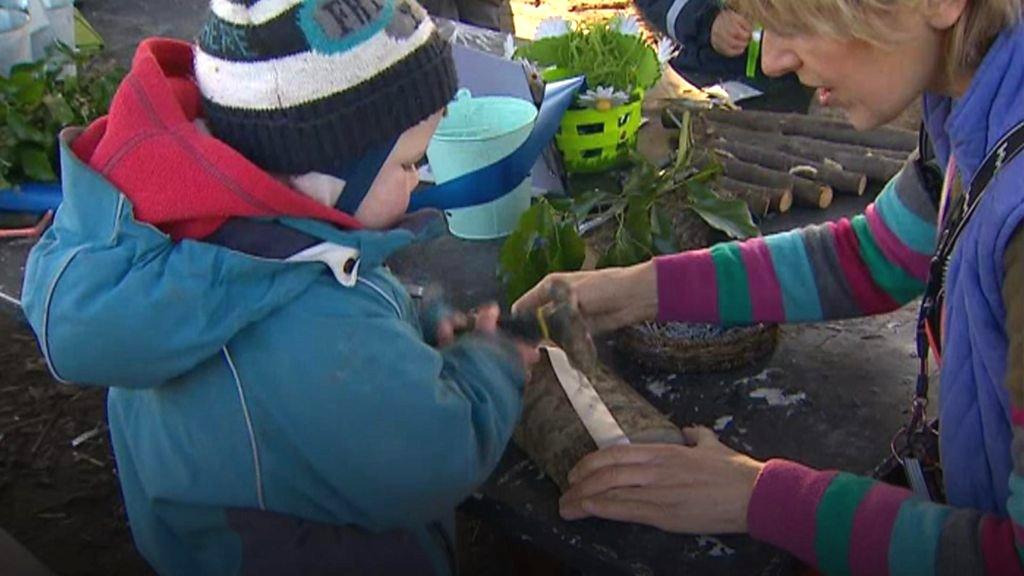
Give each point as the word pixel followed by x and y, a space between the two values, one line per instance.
pixel 31 197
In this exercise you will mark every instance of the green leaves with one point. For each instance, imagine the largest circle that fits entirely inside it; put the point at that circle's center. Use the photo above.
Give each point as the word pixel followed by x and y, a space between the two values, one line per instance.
pixel 640 204
pixel 37 100
pixel 632 242
pixel 545 241
pixel 663 238
pixel 36 165
pixel 729 216
pixel 605 56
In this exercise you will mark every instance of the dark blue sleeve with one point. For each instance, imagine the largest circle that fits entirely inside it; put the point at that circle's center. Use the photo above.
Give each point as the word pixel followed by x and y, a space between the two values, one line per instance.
pixel 689 22
pixel 686 21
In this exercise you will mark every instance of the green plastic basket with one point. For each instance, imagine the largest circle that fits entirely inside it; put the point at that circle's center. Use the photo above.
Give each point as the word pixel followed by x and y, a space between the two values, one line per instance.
pixel 594 140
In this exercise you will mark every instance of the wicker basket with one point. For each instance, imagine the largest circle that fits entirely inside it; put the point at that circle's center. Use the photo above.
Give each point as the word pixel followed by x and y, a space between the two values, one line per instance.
pixel 693 348
pixel 686 348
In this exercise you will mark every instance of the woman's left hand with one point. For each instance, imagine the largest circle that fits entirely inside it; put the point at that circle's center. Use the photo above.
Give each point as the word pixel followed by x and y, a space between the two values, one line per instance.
pixel 703 488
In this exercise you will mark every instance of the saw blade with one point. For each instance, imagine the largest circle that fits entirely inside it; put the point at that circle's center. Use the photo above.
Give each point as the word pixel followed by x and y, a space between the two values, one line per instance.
pixel 593 412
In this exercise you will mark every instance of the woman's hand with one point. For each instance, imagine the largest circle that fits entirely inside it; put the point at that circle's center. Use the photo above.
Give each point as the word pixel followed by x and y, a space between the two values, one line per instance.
pixel 730 33
pixel 699 489
pixel 609 299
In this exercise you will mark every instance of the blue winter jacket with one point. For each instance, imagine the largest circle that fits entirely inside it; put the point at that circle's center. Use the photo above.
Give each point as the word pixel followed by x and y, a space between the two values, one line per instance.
pixel 266 418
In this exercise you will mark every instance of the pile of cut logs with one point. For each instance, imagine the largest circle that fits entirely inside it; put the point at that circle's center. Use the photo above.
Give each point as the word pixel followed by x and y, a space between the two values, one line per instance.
pixel 773 160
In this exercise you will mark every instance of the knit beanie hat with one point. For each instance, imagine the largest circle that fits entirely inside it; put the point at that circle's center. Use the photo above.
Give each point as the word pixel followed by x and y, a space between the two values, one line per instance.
pixel 302 86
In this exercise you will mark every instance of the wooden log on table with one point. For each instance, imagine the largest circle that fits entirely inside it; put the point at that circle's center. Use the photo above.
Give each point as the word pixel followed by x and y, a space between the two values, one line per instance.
pixel 819 128
pixel 876 168
pixel 550 430
pixel 805 192
pixel 760 199
pixel 811 194
pixel 769 121
pixel 801 146
pixel 849 183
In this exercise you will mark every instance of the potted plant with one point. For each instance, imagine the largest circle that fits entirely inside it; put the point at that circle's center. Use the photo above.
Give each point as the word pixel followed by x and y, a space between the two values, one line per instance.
pixel 37 100
pixel 599 132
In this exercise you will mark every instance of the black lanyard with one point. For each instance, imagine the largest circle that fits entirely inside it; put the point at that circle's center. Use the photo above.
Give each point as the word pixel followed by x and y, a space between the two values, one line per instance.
pixel 955 221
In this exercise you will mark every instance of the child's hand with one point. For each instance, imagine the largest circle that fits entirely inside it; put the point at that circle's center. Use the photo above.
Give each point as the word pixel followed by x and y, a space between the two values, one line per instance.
pixel 730 33
pixel 487 323
pixel 449 327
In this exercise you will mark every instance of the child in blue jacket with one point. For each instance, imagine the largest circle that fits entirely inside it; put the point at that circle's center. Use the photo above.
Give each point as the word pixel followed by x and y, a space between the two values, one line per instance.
pixel 276 405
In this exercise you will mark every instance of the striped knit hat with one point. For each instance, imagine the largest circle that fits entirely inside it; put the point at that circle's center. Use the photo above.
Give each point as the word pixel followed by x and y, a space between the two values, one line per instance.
pixel 302 86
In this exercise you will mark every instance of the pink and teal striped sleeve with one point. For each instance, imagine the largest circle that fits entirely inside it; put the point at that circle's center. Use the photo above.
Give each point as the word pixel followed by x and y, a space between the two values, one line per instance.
pixel 845 524
pixel 871 264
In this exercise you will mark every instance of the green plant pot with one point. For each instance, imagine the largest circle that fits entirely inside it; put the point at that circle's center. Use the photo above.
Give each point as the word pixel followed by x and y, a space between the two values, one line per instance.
pixel 594 140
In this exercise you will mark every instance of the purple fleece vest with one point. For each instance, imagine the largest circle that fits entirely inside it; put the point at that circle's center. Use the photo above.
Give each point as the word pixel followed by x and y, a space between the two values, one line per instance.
pixel 976 434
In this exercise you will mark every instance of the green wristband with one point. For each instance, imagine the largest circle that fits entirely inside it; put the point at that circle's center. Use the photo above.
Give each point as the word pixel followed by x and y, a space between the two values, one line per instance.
pixel 754 52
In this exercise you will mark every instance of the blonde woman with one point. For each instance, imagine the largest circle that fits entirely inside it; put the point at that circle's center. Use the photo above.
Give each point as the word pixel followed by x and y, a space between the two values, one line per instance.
pixel 871 58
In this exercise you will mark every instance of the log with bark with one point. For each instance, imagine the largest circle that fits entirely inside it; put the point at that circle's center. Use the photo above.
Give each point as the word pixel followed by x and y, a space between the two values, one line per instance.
pixel 819 128
pixel 850 183
pixel 878 166
pixel 761 200
pixel 805 192
pixel 799 145
pixel 550 431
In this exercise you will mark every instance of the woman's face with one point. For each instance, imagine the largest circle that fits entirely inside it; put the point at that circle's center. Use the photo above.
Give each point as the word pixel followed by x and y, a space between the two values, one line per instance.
pixel 872 84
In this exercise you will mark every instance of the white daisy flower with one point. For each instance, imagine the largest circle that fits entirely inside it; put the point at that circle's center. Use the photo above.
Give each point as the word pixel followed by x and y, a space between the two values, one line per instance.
pixel 603 98
pixel 626 24
pixel 510 46
pixel 551 27
pixel 667 50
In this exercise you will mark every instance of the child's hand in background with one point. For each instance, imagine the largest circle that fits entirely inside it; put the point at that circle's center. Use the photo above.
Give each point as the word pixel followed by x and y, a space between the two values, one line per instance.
pixel 730 33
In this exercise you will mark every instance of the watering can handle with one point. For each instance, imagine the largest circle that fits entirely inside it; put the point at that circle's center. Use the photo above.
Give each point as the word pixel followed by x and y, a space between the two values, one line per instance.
pixel 495 180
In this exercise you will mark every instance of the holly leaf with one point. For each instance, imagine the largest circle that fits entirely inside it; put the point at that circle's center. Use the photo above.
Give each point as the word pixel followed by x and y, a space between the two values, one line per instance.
pixel 584 203
pixel 624 251
pixel 642 178
pixel 35 164
pixel 663 237
pixel 27 84
pixel 25 132
pixel 544 241
pixel 59 109
pixel 572 249
pixel 729 216
pixel 708 173
pixel 637 221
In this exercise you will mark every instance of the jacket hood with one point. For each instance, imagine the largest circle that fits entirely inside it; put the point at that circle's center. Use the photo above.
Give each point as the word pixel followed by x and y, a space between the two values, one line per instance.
pixel 151 137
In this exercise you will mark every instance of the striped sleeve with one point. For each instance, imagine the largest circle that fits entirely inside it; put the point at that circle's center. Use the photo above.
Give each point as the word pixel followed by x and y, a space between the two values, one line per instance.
pixel 871 264
pixel 846 524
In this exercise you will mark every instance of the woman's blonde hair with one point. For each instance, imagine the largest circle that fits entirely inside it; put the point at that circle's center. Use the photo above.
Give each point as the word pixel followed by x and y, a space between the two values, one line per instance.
pixel 871 21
